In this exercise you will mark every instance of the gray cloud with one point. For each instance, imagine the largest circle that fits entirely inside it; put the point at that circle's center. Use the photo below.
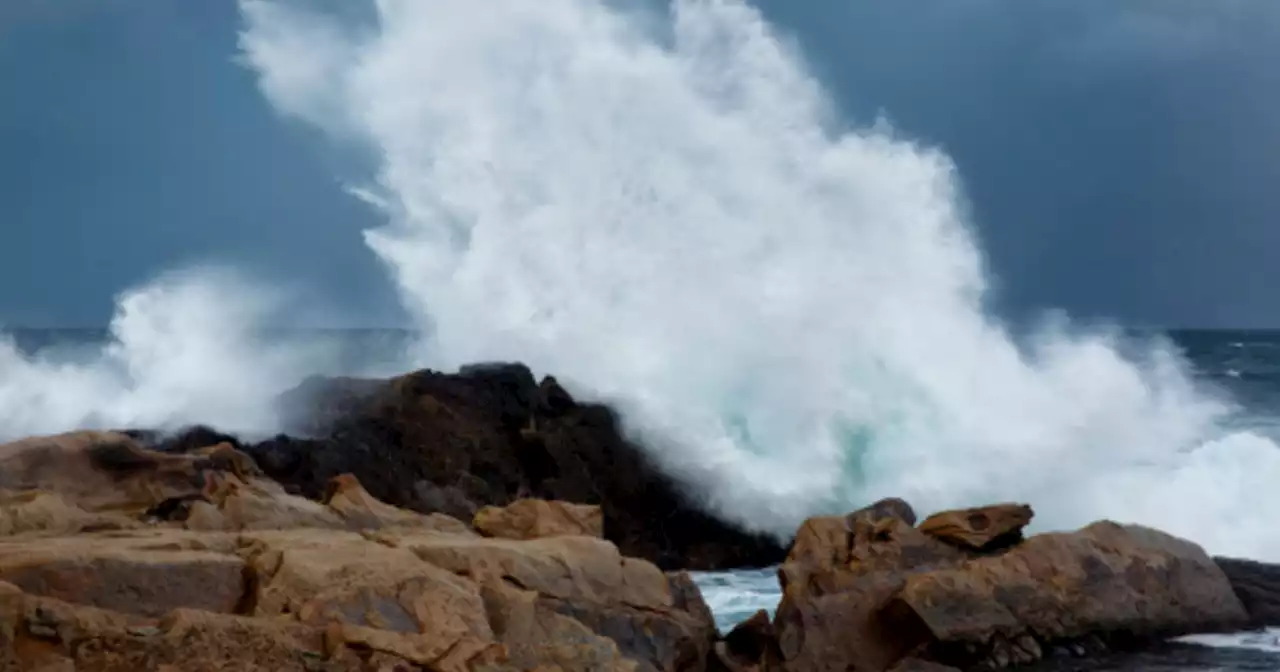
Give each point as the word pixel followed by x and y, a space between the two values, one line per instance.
pixel 1118 154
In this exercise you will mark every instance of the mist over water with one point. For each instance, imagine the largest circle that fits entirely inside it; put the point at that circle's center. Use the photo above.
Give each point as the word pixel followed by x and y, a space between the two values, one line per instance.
pixel 184 348
pixel 665 211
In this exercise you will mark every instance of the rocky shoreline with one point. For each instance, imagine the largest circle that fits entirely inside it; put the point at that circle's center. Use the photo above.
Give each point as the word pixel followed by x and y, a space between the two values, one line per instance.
pixel 484 521
pixel 487 436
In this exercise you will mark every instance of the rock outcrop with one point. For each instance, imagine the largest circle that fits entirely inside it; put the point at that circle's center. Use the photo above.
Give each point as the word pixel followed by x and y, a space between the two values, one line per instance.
pixel 981 529
pixel 1257 584
pixel 536 518
pixel 871 592
pixel 488 436
pixel 115 557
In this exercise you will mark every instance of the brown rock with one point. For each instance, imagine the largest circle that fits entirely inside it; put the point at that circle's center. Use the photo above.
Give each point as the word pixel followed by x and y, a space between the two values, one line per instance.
pixel 135 580
pixel 568 568
pixel 980 529
pixel 46 634
pixel 822 542
pixel 890 507
pixel 102 480
pixel 98 471
pixel 38 512
pixel 750 647
pixel 224 457
pixel 232 505
pixel 831 553
pixel 665 641
pixel 686 597
pixel 490 435
pixel 361 510
pixel 660 622
pixel 883 591
pixel 840 573
pixel 536 518
pixel 536 637
pixel 225 570
pixel 386 599
pixel 828 542
pixel 1105 578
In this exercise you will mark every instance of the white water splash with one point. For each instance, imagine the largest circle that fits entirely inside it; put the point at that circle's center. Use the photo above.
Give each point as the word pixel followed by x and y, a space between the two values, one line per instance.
pixel 790 310
pixel 183 349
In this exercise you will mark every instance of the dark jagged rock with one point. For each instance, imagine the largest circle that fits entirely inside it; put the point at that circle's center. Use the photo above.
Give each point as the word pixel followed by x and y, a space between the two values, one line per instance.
pixel 489 435
pixel 750 647
pixel 1257 584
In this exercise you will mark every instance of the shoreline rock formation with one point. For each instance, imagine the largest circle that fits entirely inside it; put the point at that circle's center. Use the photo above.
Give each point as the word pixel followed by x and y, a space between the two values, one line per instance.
pixel 487 436
pixel 872 592
pixel 482 522
pixel 115 557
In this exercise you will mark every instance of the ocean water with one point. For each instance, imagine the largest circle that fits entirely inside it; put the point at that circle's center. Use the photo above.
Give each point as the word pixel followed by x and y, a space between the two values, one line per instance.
pixel 663 208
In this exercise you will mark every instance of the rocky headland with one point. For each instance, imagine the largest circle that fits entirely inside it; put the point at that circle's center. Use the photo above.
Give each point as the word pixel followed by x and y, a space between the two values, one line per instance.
pixel 486 521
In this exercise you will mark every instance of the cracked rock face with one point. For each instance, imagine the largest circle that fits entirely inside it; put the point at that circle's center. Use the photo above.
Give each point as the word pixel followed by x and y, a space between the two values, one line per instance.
pixel 489 436
pixel 872 591
pixel 146 561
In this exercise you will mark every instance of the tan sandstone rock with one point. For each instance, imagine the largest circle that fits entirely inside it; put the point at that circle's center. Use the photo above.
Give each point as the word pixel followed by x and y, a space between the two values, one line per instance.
pixel 840 572
pixel 361 510
pixel 980 528
pixel 98 471
pixel 1104 578
pixel 96 571
pixel 126 559
pixel 887 594
pixel 536 518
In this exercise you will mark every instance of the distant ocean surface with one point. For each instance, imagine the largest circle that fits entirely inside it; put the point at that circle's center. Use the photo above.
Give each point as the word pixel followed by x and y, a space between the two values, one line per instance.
pixel 1245 364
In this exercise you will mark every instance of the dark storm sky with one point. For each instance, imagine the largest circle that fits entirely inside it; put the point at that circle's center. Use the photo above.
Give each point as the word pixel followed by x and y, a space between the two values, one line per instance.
pixel 1122 157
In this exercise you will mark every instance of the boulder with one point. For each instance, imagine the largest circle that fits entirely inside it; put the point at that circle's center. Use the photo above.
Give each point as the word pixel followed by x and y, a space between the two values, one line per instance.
pixel 240 574
pixel 980 529
pixel 840 572
pixel 233 505
pixel 99 471
pixel 36 512
pixel 749 647
pixel 1115 581
pixel 537 518
pixel 128 577
pixel 535 636
pixel 44 634
pixel 361 510
pixel 831 553
pixel 488 436
pixel 960 592
pixel 381 598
